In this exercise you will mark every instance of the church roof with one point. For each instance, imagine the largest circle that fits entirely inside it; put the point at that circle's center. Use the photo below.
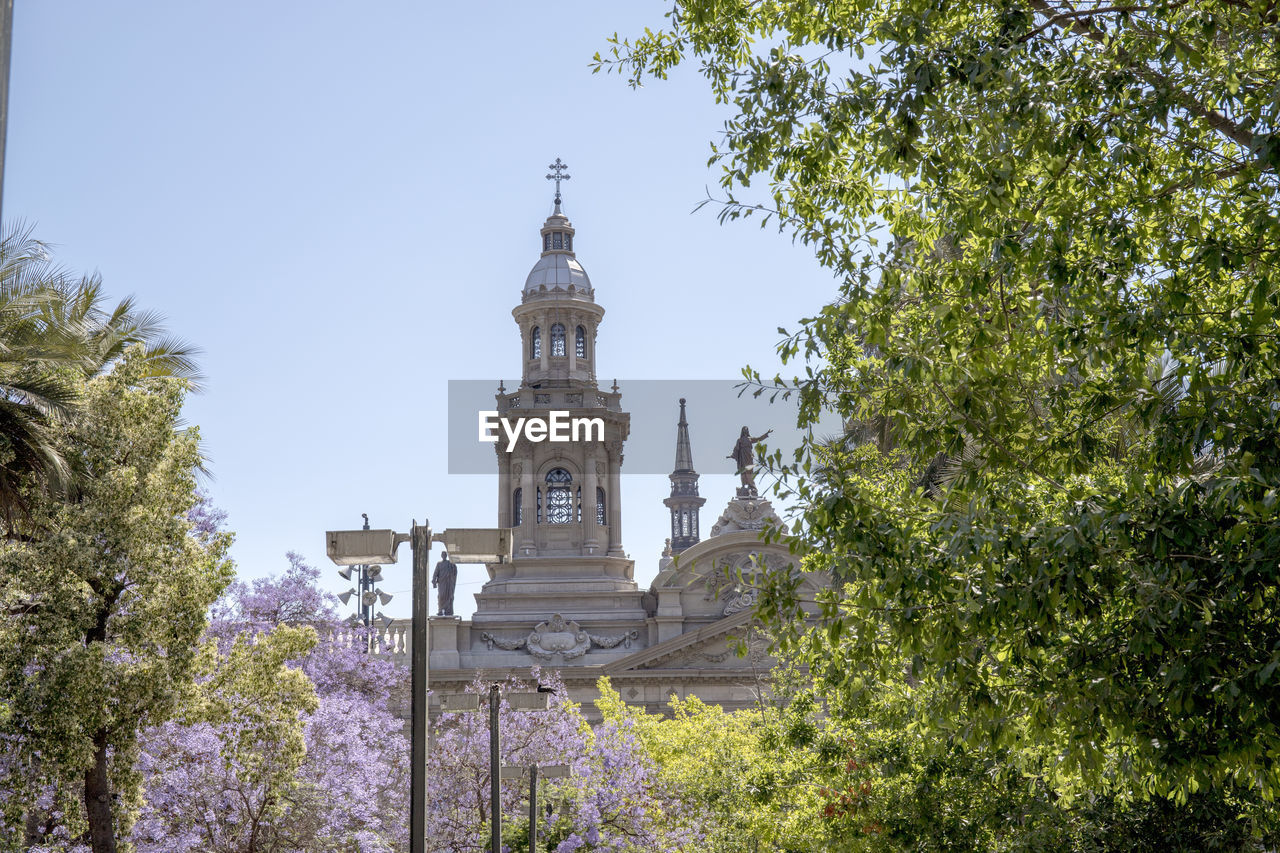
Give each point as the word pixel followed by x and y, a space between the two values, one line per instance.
pixel 556 271
pixel 558 268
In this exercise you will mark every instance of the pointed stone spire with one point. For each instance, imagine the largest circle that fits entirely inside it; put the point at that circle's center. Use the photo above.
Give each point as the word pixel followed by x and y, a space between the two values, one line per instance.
pixel 684 502
pixel 684 453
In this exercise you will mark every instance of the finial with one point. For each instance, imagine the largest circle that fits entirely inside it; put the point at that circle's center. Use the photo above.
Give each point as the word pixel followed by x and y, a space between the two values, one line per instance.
pixel 502 386
pixel 365 516
pixel 682 420
pixel 615 386
pixel 556 168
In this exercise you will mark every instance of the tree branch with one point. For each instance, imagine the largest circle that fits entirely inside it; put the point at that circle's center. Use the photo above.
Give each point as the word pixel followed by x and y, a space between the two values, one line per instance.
pixel 1219 122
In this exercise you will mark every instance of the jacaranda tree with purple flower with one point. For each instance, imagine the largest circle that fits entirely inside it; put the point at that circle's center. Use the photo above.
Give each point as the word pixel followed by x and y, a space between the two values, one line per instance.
pixel 611 801
pixel 289 745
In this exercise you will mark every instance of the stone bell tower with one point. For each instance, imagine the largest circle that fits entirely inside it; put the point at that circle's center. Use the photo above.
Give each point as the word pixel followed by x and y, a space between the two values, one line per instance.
pixel 684 501
pixel 567 600
pixel 562 498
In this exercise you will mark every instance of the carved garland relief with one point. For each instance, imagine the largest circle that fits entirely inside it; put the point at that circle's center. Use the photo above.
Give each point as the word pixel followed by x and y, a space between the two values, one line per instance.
pixel 559 636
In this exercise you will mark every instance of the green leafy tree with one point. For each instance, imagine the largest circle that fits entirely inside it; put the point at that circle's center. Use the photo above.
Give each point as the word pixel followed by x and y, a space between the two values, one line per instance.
pixel 104 605
pixel 1055 228
pixel 55 333
pixel 897 775
pixel 744 782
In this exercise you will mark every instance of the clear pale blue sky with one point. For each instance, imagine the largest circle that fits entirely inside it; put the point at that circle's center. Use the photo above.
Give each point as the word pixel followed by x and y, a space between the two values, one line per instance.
pixel 339 204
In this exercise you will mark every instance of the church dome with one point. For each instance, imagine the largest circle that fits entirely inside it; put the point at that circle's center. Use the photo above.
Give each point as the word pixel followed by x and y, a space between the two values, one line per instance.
pixel 557 271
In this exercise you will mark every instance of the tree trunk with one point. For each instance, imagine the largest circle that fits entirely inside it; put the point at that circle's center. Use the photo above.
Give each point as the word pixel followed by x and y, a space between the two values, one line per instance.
pixel 97 800
pixel 33 831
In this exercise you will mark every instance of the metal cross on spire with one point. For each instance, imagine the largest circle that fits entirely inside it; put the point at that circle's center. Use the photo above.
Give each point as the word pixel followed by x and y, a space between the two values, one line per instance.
pixel 556 168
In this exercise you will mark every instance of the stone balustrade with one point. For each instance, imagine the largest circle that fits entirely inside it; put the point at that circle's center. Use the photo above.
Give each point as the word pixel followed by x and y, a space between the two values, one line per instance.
pixel 394 642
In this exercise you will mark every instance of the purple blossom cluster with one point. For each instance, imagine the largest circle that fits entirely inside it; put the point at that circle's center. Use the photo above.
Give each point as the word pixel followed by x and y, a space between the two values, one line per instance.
pixel 205 792
pixel 292 598
pixel 610 802
pixel 210 782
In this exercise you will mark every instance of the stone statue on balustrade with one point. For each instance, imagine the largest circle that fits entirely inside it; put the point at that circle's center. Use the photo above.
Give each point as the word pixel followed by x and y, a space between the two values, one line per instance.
pixel 444 579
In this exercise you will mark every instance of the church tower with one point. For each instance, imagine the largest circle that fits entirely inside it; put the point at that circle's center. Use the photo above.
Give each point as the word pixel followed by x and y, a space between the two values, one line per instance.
pixel 684 502
pixel 567 599
pixel 562 498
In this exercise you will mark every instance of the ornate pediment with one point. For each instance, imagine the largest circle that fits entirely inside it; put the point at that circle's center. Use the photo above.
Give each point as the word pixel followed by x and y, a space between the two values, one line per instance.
pixel 746 513
pixel 711 646
pixel 719 653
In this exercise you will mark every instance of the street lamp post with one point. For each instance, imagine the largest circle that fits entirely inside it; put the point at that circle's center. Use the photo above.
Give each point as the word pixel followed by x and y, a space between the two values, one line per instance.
pixel 356 547
pixel 534 700
pixel 420 548
pixel 550 771
pixel 367 596
pixel 533 808
pixel 495 773
pixel 6 51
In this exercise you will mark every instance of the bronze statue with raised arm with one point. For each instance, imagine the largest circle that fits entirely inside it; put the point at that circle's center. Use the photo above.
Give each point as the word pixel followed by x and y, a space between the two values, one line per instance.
pixel 744 454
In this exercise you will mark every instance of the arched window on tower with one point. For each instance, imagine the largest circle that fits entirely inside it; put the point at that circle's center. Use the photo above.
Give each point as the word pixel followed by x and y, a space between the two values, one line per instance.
pixel 538 514
pixel 600 506
pixel 580 342
pixel 559 496
pixel 557 340
pixel 579 504
pixel 517 510
pixel 535 343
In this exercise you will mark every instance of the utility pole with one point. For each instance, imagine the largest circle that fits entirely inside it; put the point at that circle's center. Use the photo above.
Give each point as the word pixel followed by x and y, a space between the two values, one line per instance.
pixel 495 773
pixel 550 771
pixel 420 545
pixel 533 808
pixel 6 52
pixel 468 545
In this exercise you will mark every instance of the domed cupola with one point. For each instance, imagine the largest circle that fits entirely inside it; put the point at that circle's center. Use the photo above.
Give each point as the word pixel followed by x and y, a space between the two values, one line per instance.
pixel 557 270
pixel 558 314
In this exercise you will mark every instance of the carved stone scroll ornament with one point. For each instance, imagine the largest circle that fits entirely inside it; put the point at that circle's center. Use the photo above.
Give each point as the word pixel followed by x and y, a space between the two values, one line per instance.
pixel 742 601
pixel 747 514
pixel 710 658
pixel 507 645
pixel 558 637
pixel 623 639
